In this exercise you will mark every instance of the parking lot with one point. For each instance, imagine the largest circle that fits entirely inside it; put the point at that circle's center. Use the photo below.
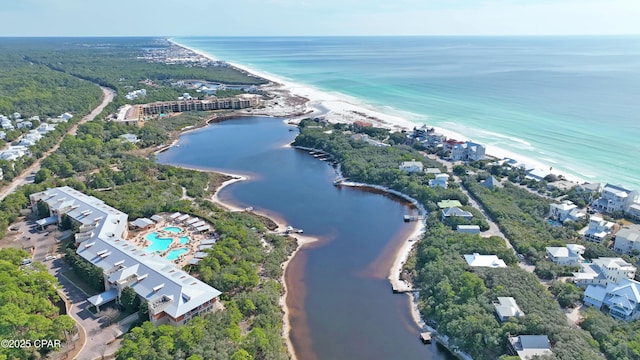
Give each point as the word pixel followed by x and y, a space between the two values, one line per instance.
pixel 42 244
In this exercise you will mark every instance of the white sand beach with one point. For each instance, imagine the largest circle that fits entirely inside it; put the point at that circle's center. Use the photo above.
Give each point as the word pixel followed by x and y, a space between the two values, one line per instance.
pixel 340 108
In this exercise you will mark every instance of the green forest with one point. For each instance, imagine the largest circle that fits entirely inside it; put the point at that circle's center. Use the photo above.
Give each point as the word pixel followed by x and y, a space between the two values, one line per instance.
pixel 52 76
pixel 456 299
pixel 246 272
pixel 29 306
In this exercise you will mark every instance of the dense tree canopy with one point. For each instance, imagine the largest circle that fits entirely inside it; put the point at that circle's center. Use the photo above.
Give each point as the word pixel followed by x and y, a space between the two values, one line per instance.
pixel 28 305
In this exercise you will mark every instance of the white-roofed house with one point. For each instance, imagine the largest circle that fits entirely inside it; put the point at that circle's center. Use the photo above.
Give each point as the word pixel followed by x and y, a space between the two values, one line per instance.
pixel 615 198
pixel 570 255
pixel 440 180
pixel 537 174
pixel 598 229
pixel 507 308
pixel 491 261
pixel 604 271
pixel 529 346
pixel 564 211
pixel 457 212
pixel 130 138
pixel 627 239
pixel 468 229
pixel 622 300
pixel 411 166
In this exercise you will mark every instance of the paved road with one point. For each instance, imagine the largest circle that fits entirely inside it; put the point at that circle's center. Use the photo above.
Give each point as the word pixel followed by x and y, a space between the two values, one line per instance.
pixel 97 337
pixel 26 176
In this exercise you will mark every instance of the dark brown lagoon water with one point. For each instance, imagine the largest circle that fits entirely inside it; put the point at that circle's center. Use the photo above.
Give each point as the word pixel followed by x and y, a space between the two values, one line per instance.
pixel 341 302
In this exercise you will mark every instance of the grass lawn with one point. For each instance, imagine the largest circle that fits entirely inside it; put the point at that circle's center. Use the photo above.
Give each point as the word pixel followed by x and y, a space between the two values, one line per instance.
pixel 79 282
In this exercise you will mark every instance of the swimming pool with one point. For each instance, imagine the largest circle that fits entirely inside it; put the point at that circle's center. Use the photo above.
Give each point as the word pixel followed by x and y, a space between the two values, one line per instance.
pixel 173 229
pixel 174 254
pixel 157 243
pixel 160 244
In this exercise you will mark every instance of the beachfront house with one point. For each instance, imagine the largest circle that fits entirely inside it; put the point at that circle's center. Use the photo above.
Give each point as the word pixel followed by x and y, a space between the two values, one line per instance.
pixel 604 271
pixel 456 212
pixel 506 308
pixel 412 166
pixel 566 210
pixel 464 151
pixel 590 188
pixel 474 151
pixel 633 211
pixel 570 255
pixel 440 181
pixel 491 261
pixel 621 300
pixel 627 240
pixel 537 174
pixel 615 198
pixel 598 229
pixel 529 346
pixel 172 295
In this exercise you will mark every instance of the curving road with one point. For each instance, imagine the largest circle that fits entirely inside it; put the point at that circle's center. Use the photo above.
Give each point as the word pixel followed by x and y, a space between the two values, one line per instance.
pixel 26 176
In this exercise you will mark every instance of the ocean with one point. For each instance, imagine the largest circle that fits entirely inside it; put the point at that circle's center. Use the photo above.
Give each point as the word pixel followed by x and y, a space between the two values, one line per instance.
pixel 572 103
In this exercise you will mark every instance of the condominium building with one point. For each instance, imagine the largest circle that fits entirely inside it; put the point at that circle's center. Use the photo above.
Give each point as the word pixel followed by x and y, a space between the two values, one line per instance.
pixel 172 295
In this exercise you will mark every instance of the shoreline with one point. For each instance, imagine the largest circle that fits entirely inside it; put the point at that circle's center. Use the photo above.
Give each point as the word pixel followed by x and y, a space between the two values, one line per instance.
pixel 344 109
pixel 402 254
pixel 301 240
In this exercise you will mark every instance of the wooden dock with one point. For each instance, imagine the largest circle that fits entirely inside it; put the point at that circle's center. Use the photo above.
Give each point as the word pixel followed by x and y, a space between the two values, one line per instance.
pixel 409 218
pixel 426 337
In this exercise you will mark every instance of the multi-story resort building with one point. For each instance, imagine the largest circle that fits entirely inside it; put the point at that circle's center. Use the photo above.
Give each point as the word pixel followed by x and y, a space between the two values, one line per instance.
pixel 238 102
pixel 172 295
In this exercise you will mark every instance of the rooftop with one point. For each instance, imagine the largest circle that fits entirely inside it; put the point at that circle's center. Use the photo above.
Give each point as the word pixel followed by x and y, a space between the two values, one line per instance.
pixel 477 260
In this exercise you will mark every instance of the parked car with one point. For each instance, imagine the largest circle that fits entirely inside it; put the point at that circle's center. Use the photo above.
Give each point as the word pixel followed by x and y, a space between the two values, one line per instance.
pixel 26 261
pixel 50 257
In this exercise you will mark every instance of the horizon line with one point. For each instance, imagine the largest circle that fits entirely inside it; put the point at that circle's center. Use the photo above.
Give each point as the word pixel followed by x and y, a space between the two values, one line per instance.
pixel 307 36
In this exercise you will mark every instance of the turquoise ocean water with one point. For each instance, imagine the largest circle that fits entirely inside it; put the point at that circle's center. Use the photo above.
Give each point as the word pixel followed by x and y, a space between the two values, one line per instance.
pixel 572 103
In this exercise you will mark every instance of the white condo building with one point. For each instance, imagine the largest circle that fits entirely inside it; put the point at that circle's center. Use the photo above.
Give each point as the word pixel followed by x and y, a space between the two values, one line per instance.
pixel 172 295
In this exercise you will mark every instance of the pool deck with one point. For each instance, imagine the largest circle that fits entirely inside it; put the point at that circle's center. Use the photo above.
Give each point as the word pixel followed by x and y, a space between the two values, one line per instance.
pixel 194 240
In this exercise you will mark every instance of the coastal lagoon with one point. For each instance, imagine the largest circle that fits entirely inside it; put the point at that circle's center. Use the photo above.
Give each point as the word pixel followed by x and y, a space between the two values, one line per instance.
pixel 569 102
pixel 340 300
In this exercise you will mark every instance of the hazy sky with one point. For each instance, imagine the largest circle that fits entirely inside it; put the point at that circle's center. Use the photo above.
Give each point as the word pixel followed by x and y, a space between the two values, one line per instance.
pixel 317 17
